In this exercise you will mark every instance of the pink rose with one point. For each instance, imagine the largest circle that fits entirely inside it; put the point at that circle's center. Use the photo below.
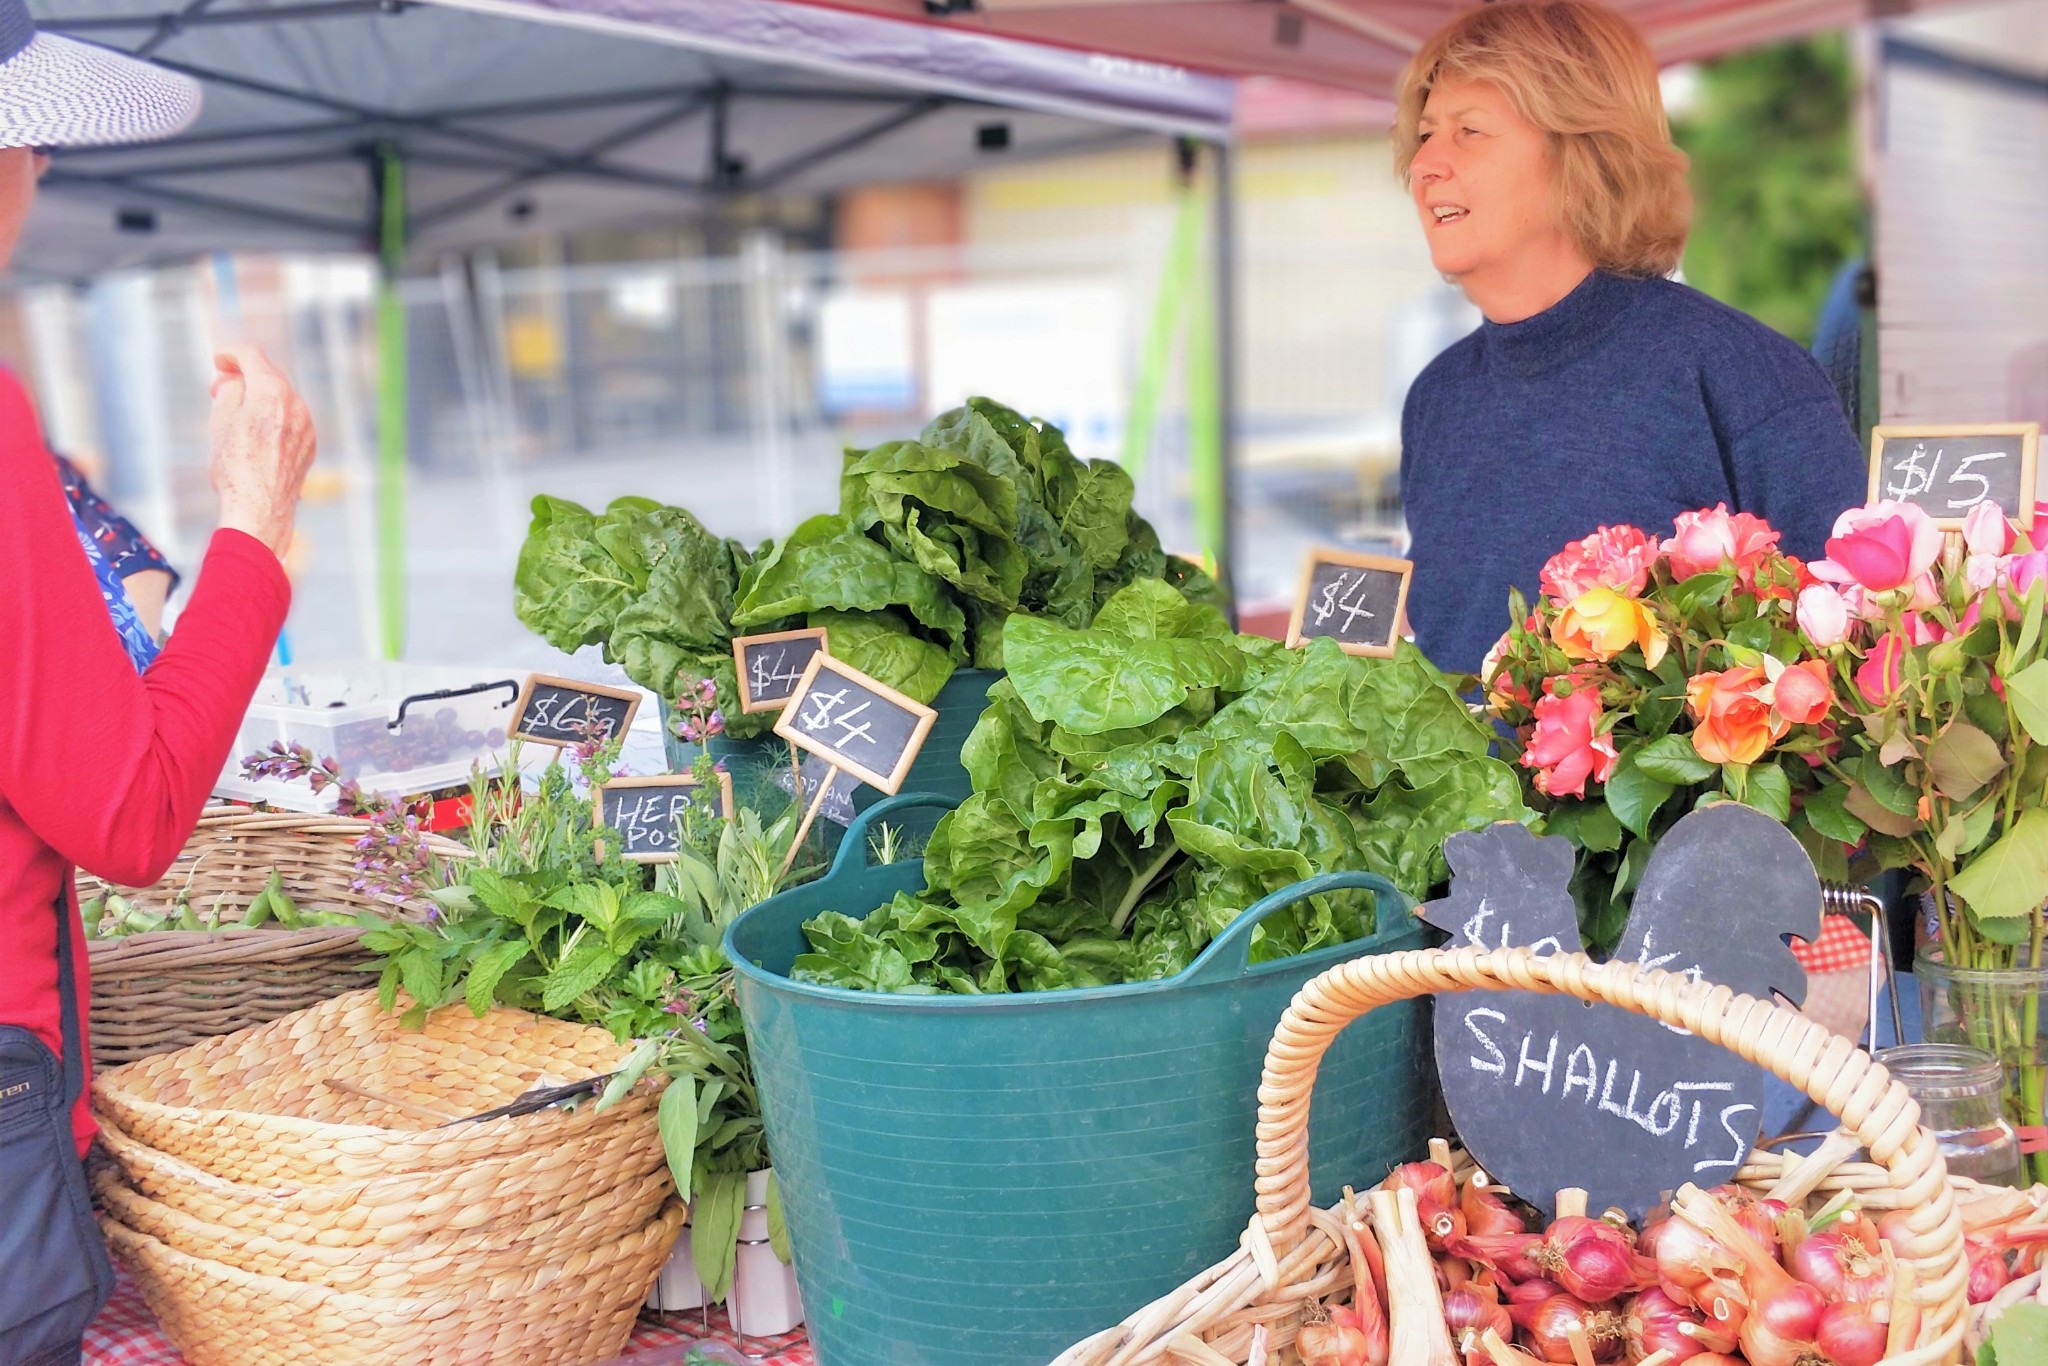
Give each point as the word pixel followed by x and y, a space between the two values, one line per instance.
pixel 1566 747
pixel 2020 571
pixel 1986 531
pixel 1982 572
pixel 1881 547
pixel 1799 693
pixel 1880 675
pixel 1823 615
pixel 1708 539
pixel 1616 557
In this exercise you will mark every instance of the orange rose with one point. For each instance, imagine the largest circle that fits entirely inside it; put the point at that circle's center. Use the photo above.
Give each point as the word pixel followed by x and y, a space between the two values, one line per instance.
pixel 1735 722
pixel 1600 623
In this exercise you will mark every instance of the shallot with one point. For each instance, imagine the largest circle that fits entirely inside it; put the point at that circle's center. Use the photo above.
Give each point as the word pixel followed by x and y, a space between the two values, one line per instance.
pixel 1853 1333
pixel 1592 1259
pixel 1687 1259
pixel 1989 1273
pixel 1436 1199
pixel 1486 1214
pixel 1841 1265
pixel 1334 1341
pixel 1655 1322
pixel 1549 1326
pixel 1470 1312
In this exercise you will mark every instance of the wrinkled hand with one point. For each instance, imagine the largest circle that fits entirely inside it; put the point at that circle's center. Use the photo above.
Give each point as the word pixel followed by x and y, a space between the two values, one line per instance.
pixel 261 437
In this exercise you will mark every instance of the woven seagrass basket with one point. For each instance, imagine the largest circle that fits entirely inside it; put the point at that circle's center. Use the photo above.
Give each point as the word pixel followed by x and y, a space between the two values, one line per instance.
pixel 162 990
pixel 1291 1256
pixel 554 1311
pixel 261 1107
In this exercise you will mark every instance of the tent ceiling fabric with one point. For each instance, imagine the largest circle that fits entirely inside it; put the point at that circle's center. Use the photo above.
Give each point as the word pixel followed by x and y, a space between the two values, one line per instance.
pixel 510 127
pixel 1352 44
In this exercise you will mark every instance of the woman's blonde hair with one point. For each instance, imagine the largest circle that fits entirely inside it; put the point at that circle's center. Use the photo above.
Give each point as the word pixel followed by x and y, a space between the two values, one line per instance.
pixel 1584 75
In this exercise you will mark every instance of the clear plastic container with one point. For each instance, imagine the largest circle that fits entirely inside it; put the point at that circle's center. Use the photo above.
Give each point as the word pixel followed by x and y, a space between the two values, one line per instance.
pixel 1959 1093
pixel 397 729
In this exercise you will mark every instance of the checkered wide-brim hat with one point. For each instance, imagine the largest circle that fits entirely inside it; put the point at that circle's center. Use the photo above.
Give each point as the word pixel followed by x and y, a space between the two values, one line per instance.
pixel 57 92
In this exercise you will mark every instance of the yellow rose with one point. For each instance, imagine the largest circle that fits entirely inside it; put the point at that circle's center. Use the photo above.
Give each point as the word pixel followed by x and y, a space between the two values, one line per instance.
pixel 1601 623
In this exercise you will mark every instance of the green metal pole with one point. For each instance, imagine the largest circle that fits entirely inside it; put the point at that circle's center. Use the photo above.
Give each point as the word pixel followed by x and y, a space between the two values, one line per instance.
pixel 391 405
pixel 1176 282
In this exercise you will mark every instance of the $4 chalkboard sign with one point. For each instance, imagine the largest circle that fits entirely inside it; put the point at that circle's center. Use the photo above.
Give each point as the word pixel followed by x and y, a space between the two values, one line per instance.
pixel 646 811
pixel 1946 471
pixel 770 666
pixel 1354 599
pixel 563 712
pixel 855 723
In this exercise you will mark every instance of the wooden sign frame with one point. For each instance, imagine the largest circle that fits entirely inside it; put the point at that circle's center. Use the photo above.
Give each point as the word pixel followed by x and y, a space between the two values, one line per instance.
pixel 739 663
pixel 1357 560
pixel 630 696
pixel 886 782
pixel 2029 434
pixel 657 780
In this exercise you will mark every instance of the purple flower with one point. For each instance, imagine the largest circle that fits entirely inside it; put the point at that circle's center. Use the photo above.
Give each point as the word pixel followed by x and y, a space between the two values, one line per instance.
pixel 709 690
pixel 718 766
pixel 716 725
pixel 701 1025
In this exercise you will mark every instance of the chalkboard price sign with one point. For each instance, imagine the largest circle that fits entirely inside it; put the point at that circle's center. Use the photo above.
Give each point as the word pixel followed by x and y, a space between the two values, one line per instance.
pixel 1549 1092
pixel 770 666
pixel 644 811
pixel 1353 599
pixel 855 723
pixel 1946 471
pixel 563 712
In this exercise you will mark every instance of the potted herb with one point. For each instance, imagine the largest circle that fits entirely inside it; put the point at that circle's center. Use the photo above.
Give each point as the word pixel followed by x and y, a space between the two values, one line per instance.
pixel 1651 677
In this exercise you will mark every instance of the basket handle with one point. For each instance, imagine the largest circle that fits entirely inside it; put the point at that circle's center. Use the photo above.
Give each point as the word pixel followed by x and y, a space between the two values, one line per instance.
pixel 1229 953
pixel 853 845
pixel 1829 1068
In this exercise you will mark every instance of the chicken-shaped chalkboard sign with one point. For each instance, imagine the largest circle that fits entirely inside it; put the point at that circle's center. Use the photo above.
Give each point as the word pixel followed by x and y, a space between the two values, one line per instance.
pixel 1550 1091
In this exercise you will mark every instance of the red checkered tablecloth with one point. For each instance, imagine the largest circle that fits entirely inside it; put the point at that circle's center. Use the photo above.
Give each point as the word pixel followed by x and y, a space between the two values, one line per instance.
pixel 125 1334
pixel 1840 948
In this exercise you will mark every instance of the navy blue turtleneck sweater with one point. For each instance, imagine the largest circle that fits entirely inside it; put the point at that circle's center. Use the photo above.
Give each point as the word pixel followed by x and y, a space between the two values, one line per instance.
pixel 1627 402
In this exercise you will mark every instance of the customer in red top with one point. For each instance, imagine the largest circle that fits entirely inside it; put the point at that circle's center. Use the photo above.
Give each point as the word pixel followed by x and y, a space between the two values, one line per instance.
pixel 103 767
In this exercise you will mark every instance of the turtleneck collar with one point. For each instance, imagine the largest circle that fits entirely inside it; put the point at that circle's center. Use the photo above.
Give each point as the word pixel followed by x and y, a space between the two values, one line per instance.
pixel 1564 331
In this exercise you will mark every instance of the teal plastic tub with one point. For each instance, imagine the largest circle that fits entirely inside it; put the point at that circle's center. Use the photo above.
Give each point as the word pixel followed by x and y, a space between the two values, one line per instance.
pixel 983 1181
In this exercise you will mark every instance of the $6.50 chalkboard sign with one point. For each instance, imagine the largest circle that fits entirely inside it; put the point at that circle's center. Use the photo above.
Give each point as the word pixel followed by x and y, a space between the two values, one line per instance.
pixel 1549 1092
pixel 855 722
pixel 1946 471
pixel 770 666
pixel 563 712
pixel 1355 600
pixel 645 811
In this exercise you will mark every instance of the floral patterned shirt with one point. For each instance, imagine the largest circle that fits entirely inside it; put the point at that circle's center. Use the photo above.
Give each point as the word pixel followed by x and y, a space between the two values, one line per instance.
pixel 115 549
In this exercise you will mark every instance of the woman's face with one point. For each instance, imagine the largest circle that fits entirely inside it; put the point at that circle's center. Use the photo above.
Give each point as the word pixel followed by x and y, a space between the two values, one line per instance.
pixel 1482 182
pixel 20 169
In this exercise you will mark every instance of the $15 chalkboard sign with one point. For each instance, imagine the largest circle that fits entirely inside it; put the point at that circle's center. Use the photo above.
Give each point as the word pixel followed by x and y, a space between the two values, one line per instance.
pixel 1549 1092
pixel 1353 599
pixel 645 811
pixel 1946 471
pixel 563 712
pixel 770 666
pixel 855 723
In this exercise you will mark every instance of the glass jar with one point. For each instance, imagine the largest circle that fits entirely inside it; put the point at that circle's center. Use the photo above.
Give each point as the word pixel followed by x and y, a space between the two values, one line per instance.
pixel 1958 1089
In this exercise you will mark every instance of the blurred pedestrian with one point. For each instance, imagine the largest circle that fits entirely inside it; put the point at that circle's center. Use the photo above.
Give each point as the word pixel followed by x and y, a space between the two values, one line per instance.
pixel 1597 392
pixel 102 765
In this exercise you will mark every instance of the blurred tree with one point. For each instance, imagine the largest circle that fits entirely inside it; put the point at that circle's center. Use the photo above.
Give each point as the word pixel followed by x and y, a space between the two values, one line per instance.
pixel 1778 207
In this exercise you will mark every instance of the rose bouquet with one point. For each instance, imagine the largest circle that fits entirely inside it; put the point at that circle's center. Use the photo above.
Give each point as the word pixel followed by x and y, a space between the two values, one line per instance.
pixel 1652 677
pixel 1942 674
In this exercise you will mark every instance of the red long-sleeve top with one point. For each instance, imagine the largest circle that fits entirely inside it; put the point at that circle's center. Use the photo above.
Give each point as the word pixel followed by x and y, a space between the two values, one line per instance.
pixel 99 767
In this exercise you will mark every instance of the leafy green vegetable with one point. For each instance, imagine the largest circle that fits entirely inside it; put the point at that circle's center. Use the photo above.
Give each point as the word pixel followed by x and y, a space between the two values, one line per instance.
pixel 1140 782
pixel 937 542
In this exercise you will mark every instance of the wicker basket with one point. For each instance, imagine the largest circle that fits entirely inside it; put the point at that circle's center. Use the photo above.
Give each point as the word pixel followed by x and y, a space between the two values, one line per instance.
pixel 555 1311
pixel 442 1260
pixel 400 1208
pixel 1291 1254
pixel 256 1106
pixel 155 992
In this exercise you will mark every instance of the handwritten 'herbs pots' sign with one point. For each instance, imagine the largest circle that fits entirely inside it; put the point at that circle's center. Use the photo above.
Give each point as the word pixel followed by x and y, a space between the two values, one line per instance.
pixel 1354 599
pixel 1549 1092
pixel 646 811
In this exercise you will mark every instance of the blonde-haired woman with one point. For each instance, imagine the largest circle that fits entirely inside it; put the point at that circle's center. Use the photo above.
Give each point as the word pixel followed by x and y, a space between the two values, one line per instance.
pixel 1597 392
